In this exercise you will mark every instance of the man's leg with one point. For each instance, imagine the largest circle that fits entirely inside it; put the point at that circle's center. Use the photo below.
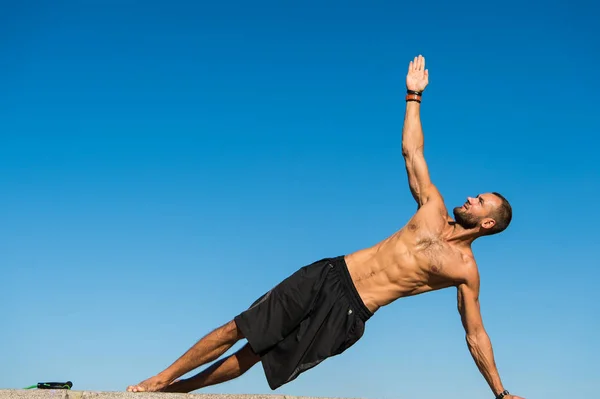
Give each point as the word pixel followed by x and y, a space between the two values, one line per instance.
pixel 221 371
pixel 204 351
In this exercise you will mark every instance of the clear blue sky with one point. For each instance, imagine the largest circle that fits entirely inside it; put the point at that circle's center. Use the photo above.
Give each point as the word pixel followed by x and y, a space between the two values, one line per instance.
pixel 162 164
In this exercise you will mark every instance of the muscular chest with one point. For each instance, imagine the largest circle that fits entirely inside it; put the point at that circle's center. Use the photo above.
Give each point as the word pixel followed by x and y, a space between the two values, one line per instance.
pixel 432 253
pixel 436 256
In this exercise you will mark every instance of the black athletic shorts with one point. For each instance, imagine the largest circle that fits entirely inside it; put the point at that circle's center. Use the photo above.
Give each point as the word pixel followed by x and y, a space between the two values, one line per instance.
pixel 313 314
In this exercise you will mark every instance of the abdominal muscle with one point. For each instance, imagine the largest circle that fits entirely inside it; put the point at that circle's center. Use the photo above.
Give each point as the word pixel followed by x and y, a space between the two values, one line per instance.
pixel 390 270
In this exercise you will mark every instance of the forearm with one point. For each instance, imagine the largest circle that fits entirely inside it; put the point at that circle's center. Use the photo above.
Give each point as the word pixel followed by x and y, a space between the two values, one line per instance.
pixel 412 132
pixel 480 347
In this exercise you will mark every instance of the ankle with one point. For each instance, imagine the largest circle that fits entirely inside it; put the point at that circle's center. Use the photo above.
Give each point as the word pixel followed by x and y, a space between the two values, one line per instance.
pixel 180 386
pixel 164 377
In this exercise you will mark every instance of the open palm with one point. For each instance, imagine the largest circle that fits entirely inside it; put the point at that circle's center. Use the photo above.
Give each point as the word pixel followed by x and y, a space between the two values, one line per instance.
pixel 417 77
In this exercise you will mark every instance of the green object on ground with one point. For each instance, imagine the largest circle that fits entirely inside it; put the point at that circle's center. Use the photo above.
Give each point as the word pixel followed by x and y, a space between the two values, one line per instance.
pixel 51 385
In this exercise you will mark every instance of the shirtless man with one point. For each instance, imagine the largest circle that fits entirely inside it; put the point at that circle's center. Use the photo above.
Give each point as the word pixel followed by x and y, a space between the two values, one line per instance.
pixel 321 310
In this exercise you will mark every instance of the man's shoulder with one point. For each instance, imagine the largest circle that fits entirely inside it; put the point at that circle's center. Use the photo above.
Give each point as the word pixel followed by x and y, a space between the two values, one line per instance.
pixel 431 196
pixel 435 196
pixel 470 272
pixel 435 208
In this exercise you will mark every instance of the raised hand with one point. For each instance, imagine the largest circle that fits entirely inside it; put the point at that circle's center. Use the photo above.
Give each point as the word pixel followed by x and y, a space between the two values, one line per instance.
pixel 417 77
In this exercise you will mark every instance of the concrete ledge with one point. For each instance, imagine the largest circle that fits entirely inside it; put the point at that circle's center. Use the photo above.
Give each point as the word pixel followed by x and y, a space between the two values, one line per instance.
pixel 73 394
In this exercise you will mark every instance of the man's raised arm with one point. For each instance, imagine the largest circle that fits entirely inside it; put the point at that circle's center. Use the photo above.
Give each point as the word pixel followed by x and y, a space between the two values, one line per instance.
pixel 421 187
pixel 478 341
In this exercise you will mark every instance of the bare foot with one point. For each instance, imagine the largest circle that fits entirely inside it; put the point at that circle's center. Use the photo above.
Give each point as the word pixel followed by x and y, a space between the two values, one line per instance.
pixel 154 384
pixel 177 386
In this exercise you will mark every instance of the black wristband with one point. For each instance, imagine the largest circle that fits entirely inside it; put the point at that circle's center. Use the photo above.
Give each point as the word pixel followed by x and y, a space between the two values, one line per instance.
pixel 502 394
pixel 418 93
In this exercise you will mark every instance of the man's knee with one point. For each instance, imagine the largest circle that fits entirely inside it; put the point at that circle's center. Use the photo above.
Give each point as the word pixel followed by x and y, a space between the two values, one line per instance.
pixel 246 357
pixel 231 330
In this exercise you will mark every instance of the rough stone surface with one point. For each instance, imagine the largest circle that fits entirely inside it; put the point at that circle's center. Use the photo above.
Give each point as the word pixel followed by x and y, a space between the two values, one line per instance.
pixel 73 394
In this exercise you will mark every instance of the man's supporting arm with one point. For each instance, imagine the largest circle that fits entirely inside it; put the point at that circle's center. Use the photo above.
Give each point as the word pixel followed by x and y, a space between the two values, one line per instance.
pixel 478 341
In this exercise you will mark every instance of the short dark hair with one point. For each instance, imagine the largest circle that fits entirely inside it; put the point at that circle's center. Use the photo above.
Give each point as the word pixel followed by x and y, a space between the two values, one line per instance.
pixel 502 215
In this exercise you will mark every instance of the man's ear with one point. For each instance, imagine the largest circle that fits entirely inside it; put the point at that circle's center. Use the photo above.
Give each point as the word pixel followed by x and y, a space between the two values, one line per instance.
pixel 488 223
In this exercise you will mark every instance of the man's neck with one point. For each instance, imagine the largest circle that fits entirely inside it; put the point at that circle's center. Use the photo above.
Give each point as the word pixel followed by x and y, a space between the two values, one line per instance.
pixel 460 235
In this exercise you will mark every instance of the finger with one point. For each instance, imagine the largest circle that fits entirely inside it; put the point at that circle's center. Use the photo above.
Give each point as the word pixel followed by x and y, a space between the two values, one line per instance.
pixel 416 64
pixel 422 62
pixel 410 66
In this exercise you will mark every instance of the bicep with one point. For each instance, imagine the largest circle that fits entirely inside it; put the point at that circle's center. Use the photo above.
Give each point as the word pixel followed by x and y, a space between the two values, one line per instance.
pixel 418 177
pixel 468 307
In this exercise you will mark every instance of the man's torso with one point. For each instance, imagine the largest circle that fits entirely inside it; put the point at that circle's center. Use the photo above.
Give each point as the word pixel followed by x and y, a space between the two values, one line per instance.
pixel 416 259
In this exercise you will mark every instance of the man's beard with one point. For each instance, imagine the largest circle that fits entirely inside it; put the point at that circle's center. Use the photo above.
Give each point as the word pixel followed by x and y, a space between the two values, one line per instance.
pixel 464 219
